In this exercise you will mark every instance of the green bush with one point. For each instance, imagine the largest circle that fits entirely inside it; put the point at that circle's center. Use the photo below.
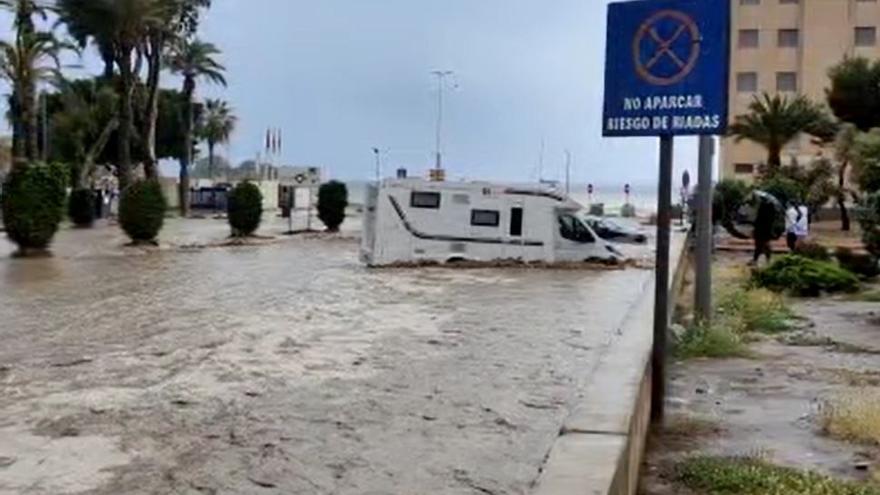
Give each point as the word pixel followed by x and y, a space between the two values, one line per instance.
pixel 755 476
pixel 332 202
pixel 864 265
pixel 142 211
pixel 805 277
pixel 870 221
pixel 81 207
pixel 33 205
pixel 813 250
pixel 245 209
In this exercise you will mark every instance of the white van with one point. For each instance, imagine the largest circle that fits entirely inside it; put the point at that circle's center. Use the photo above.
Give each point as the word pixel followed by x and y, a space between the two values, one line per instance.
pixel 413 220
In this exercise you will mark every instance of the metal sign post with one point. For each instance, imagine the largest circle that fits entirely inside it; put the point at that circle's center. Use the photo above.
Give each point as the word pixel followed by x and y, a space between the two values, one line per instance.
pixel 666 75
pixel 703 289
pixel 661 287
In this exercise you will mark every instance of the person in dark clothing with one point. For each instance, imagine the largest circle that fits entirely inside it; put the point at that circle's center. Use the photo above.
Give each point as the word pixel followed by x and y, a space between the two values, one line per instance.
pixel 763 232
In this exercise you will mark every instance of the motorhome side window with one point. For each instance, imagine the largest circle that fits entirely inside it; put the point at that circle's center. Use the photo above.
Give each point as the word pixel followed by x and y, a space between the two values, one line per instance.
pixel 425 200
pixel 485 218
pixel 572 229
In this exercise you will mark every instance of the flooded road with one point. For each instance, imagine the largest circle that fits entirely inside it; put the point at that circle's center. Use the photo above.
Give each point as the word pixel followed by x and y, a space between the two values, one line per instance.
pixel 286 368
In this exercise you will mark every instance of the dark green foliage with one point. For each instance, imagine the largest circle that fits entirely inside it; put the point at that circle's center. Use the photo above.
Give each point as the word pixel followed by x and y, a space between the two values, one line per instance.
pixel 142 211
pixel 729 197
pixel 870 221
pixel 332 202
pixel 854 95
pixel 782 188
pixel 81 207
pixel 864 265
pixel 805 277
pixel 749 475
pixel 813 251
pixel 245 209
pixel 33 204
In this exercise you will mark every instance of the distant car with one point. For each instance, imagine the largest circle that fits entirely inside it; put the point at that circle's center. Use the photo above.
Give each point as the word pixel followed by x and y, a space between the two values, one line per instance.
pixel 612 231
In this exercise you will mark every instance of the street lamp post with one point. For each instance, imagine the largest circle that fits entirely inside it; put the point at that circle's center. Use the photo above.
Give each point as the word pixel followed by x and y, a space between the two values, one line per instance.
pixel 378 153
pixel 441 85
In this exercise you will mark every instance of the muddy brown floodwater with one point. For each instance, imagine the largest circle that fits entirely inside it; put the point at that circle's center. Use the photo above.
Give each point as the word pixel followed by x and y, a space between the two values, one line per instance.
pixel 287 368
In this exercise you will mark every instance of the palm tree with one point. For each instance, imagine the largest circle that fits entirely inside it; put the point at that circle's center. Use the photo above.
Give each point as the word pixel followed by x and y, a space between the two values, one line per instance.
pixel 774 121
pixel 194 60
pixel 122 28
pixel 32 58
pixel 219 123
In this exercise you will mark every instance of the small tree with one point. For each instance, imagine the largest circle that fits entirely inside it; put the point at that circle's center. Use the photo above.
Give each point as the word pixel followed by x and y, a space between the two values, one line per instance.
pixel 332 202
pixel 774 121
pixel 142 211
pixel 866 161
pixel 730 195
pixel 245 209
pixel 33 205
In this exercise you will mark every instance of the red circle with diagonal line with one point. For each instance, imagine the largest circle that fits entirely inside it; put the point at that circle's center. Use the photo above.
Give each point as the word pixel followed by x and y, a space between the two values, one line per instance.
pixel 664 47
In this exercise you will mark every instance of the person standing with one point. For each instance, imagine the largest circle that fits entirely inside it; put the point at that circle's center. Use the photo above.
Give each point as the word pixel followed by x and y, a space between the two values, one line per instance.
pixel 792 215
pixel 763 232
pixel 802 224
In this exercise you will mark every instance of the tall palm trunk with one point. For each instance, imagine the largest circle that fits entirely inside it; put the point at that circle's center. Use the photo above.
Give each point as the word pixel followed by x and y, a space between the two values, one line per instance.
pixel 19 157
pixel 211 145
pixel 841 197
pixel 30 118
pixel 154 69
pixel 774 158
pixel 189 88
pixel 126 118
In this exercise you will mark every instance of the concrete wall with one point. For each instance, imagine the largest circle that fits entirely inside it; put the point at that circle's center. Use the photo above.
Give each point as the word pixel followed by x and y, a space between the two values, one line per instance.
pixel 602 443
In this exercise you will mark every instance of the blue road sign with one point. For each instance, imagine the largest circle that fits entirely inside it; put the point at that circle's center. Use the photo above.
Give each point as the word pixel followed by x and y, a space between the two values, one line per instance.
pixel 666 71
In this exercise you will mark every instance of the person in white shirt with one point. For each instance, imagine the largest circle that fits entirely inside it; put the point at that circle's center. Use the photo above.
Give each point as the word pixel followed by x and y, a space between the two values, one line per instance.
pixel 802 226
pixel 792 215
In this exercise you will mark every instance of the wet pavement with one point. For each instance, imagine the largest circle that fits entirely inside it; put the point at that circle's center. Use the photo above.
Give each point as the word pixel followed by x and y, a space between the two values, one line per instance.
pixel 286 368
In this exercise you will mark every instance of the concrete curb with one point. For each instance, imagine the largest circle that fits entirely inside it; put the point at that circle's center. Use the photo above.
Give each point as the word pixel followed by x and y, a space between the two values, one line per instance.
pixel 600 448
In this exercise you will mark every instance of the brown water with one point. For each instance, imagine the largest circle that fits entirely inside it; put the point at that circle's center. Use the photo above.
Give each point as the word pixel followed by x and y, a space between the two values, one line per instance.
pixel 286 368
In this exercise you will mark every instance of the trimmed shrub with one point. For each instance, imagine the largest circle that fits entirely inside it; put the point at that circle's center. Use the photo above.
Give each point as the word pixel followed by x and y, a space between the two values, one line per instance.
pixel 861 264
pixel 813 250
pixel 245 209
pixel 805 277
pixel 81 207
pixel 142 211
pixel 33 205
pixel 598 209
pixel 332 202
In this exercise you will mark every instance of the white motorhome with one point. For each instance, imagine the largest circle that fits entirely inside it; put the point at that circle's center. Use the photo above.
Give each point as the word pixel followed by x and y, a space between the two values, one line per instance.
pixel 413 220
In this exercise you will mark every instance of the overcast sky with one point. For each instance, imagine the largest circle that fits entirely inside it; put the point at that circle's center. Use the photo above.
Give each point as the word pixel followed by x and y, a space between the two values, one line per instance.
pixel 343 76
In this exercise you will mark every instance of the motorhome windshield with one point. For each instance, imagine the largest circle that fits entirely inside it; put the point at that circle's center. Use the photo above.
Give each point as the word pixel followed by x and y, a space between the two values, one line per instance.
pixel 573 229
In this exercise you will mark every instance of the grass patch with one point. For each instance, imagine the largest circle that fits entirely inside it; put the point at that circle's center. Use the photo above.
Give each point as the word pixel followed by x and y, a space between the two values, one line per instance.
pixel 754 310
pixel 712 341
pixel 869 296
pixel 755 476
pixel 683 432
pixel 854 417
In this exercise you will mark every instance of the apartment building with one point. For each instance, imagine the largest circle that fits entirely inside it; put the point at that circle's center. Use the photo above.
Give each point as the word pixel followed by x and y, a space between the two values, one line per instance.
pixel 787 46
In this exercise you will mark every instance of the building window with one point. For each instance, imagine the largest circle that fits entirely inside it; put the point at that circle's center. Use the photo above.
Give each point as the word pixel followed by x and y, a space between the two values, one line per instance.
pixel 516 222
pixel 747 82
pixel 788 1
pixel 485 218
pixel 786 81
pixel 750 2
pixel 788 38
pixel 866 36
pixel 744 169
pixel 425 200
pixel 748 38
